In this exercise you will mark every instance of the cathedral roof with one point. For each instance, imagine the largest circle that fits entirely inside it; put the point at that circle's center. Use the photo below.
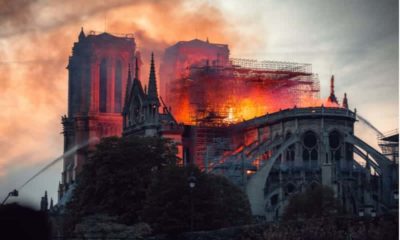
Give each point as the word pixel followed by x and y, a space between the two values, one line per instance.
pixel 133 88
pixel 105 38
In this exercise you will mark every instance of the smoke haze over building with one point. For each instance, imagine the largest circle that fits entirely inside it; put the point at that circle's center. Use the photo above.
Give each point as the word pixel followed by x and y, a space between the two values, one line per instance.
pixel 357 41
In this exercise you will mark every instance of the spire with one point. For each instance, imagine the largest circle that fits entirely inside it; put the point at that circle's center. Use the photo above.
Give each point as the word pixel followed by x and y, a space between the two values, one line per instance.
pixel 332 97
pixel 128 86
pixel 129 82
pixel 81 35
pixel 44 202
pixel 345 103
pixel 51 203
pixel 136 69
pixel 152 86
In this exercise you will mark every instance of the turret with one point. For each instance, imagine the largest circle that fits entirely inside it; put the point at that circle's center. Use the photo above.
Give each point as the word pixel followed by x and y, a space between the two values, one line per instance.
pixel 44 202
pixel 129 81
pixel 60 191
pixel 345 103
pixel 137 67
pixel 332 97
pixel 152 86
pixel 152 97
pixel 139 62
pixel 82 35
pixel 128 88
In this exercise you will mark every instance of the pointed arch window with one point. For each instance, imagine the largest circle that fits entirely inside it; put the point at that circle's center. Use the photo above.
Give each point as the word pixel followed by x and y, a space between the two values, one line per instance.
pixel 310 148
pixel 103 86
pixel 118 87
pixel 335 144
pixel 290 152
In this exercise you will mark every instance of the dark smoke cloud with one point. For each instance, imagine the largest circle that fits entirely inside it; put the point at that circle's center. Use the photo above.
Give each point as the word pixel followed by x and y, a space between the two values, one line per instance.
pixel 21 16
pixel 36 38
pixel 14 15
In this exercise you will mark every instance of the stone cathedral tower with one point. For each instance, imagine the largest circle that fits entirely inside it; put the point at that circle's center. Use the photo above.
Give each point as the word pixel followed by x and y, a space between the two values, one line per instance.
pixel 97 75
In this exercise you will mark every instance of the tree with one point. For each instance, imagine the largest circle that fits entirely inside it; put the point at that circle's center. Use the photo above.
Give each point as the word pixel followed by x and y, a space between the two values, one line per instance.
pixel 317 201
pixel 115 179
pixel 213 203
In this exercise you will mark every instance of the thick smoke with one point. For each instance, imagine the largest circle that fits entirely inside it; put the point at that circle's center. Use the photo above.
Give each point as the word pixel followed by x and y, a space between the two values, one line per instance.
pixel 36 39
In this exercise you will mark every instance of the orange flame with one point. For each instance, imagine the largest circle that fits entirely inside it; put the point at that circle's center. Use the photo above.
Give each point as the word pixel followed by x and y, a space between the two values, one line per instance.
pixel 244 106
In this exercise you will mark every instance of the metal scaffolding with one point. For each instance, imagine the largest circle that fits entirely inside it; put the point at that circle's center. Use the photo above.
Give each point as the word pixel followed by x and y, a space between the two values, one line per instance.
pixel 278 66
pixel 389 143
pixel 288 83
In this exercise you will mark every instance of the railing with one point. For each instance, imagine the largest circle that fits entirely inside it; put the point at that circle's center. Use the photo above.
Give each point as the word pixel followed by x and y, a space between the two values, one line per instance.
pixel 122 35
pixel 299 112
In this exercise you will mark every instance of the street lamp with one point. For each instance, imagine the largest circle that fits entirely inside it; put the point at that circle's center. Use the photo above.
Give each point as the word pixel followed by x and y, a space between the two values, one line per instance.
pixel 192 184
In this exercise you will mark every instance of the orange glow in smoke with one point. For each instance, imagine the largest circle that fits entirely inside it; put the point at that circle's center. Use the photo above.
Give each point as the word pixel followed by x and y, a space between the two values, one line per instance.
pixel 241 108
pixel 204 86
pixel 237 108
pixel 53 28
pixel 184 112
pixel 306 101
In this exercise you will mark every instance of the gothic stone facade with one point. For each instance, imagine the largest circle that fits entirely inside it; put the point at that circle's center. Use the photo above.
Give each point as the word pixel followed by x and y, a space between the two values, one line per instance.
pixel 141 115
pixel 97 78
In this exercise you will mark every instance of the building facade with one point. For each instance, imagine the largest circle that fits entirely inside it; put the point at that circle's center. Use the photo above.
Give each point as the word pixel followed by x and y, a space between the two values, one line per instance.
pixel 97 79
pixel 141 114
pixel 271 156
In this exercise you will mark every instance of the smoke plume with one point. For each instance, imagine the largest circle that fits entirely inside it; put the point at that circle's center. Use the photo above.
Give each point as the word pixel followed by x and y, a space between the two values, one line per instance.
pixel 36 38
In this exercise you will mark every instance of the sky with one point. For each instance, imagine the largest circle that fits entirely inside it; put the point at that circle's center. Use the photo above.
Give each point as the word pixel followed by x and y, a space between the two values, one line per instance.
pixel 356 40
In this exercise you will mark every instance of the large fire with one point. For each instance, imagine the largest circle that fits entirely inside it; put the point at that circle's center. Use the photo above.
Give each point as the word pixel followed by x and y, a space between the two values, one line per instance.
pixel 245 106
pixel 237 108
pixel 204 86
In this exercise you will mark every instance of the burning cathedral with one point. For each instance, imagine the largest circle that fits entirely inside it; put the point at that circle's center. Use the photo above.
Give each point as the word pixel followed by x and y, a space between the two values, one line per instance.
pixel 262 124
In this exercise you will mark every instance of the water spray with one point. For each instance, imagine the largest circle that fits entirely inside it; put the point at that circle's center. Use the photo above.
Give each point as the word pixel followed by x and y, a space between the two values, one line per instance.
pixel 71 151
pixel 366 122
